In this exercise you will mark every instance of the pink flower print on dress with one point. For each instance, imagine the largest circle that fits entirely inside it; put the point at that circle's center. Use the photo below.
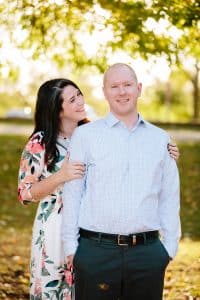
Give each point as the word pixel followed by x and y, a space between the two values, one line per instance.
pixel 44 252
pixel 67 296
pixel 24 165
pixel 43 257
pixel 43 263
pixel 38 289
pixel 24 189
pixel 68 277
pixel 19 195
pixel 34 147
pixel 59 200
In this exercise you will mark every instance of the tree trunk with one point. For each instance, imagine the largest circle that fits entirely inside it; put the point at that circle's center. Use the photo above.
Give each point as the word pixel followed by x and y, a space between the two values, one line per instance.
pixel 196 99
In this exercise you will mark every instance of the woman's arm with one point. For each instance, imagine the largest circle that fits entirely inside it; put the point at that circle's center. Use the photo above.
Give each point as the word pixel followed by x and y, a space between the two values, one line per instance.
pixel 32 186
pixel 67 172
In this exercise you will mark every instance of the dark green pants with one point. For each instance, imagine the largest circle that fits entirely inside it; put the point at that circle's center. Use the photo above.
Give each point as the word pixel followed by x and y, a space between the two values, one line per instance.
pixel 106 271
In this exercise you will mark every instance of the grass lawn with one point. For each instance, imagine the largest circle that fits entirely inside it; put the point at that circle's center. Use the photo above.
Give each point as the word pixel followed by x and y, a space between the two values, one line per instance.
pixel 183 274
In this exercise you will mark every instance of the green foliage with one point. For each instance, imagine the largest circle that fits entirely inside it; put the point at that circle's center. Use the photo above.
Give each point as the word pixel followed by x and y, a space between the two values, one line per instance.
pixel 155 112
pixel 14 213
pixel 11 100
pixel 189 166
pixel 184 13
pixel 52 29
pixel 170 101
pixel 44 21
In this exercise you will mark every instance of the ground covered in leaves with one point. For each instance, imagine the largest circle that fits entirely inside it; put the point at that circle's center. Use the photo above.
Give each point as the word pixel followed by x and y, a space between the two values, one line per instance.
pixel 182 280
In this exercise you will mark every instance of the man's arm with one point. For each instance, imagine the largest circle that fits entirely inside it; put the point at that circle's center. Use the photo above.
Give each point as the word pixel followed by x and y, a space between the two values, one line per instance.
pixel 169 206
pixel 72 194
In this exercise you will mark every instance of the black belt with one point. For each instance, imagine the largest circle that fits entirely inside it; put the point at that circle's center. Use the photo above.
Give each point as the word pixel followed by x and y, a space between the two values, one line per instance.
pixel 122 240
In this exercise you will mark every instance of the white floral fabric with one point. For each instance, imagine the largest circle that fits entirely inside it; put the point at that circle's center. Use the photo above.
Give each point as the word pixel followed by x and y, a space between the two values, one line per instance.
pixel 48 278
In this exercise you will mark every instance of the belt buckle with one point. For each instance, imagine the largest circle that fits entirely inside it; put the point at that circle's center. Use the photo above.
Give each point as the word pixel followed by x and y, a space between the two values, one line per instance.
pixel 134 240
pixel 119 242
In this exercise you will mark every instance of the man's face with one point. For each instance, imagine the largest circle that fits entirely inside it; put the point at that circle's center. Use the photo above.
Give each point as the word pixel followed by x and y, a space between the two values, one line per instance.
pixel 121 90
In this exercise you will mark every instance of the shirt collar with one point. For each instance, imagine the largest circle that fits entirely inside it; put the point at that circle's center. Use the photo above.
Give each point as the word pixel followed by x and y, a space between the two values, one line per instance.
pixel 111 120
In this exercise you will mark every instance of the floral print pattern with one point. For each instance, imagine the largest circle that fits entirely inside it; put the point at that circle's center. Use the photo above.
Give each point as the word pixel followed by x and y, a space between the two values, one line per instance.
pixel 49 278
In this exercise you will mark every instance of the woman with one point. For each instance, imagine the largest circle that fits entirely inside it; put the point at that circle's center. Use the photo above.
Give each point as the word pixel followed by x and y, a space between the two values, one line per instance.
pixel 59 108
pixel 44 168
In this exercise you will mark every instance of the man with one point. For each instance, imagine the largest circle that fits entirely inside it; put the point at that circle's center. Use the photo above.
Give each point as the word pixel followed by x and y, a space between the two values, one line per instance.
pixel 130 194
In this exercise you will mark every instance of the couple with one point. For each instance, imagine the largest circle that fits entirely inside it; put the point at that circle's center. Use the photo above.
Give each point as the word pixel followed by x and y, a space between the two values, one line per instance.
pixel 125 193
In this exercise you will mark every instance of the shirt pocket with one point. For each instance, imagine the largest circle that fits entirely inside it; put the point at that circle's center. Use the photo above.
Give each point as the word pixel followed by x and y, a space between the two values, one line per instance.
pixel 104 166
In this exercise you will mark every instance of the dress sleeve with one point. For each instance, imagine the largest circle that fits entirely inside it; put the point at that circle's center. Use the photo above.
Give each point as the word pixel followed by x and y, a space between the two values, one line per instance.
pixel 31 167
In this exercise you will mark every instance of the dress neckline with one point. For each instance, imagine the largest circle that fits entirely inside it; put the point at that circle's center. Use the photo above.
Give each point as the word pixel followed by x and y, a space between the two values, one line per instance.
pixel 65 138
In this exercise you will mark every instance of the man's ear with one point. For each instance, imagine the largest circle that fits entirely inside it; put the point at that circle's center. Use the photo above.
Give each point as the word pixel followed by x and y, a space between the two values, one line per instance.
pixel 104 92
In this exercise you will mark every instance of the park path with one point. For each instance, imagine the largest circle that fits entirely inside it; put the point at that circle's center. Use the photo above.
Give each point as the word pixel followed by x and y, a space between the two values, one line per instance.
pixel 182 135
pixel 15 129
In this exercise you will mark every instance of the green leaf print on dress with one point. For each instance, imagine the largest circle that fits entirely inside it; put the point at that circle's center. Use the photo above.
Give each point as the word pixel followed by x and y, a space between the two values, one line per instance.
pixel 47 207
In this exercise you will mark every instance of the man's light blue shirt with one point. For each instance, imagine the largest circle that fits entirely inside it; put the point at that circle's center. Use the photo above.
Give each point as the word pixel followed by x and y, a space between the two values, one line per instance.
pixel 131 183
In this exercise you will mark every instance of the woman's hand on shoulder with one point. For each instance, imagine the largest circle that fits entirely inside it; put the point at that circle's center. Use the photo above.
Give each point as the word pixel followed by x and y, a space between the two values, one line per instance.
pixel 173 151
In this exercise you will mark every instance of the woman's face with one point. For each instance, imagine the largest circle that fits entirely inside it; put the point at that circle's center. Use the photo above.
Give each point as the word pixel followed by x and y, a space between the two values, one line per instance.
pixel 73 104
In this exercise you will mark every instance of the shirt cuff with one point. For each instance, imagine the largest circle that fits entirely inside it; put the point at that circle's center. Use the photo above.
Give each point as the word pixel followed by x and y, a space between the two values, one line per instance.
pixel 70 248
pixel 171 247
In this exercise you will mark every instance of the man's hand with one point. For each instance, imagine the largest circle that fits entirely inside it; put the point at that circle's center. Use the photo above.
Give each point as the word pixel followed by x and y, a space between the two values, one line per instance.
pixel 69 262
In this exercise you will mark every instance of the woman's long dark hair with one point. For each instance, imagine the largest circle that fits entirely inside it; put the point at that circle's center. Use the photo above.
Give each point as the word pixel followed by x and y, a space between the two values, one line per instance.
pixel 47 116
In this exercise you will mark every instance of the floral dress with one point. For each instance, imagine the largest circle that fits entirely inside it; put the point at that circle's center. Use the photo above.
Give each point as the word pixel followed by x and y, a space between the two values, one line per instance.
pixel 49 279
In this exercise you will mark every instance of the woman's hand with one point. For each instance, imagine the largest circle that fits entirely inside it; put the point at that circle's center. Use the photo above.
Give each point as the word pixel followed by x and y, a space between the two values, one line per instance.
pixel 67 172
pixel 173 150
pixel 71 170
pixel 69 262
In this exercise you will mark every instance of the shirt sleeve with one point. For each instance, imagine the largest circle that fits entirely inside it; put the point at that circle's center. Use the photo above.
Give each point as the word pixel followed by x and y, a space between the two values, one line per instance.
pixel 31 167
pixel 169 205
pixel 73 192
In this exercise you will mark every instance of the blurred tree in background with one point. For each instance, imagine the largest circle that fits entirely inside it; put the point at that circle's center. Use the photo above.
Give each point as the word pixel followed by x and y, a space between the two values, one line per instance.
pixel 59 30
pixel 170 99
